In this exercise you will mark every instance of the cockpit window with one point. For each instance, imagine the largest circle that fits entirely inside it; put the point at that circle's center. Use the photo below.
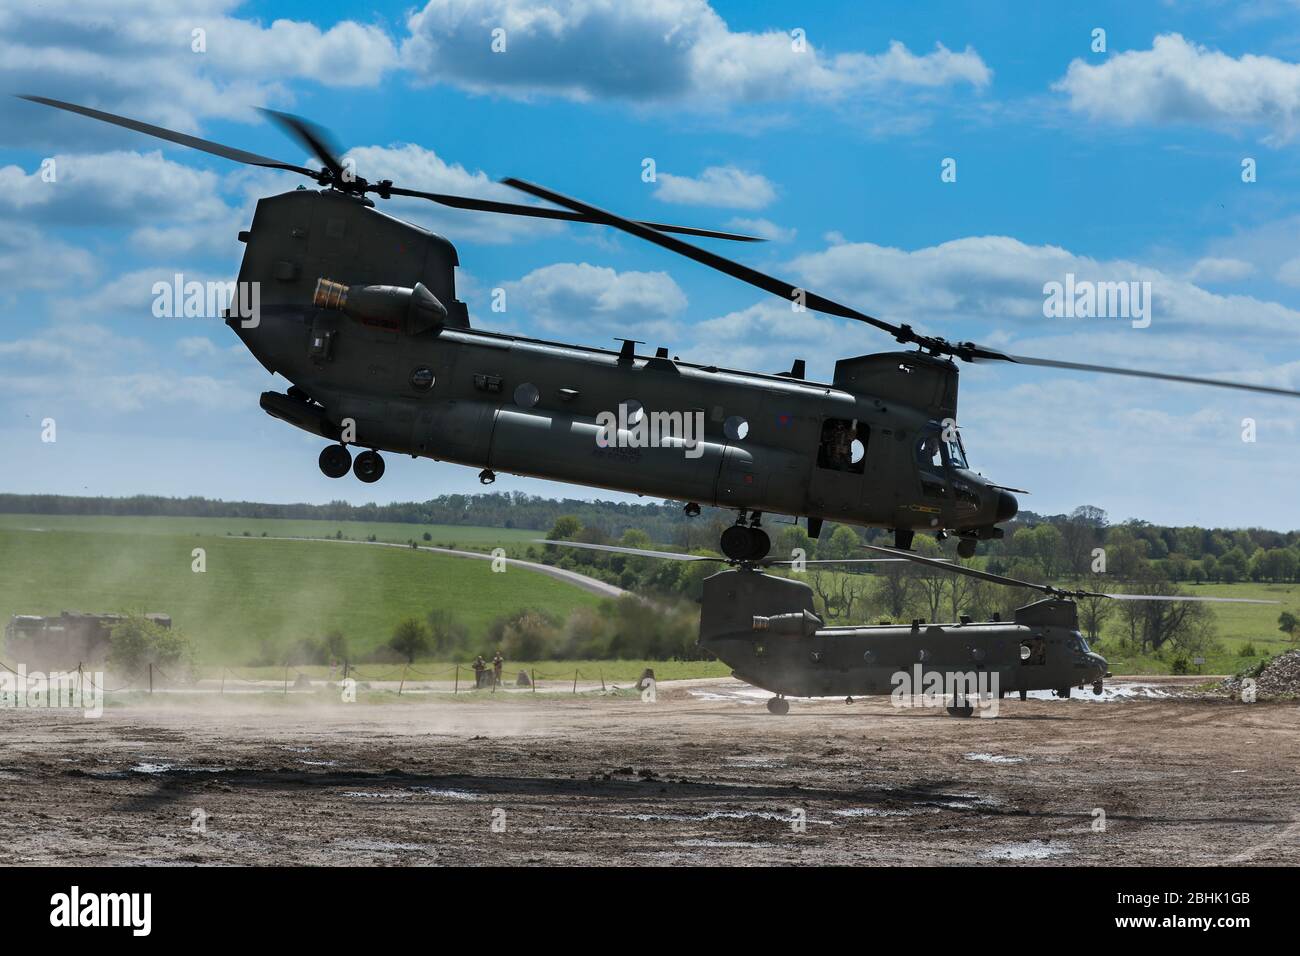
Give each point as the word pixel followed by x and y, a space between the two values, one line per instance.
pixel 927 451
pixel 956 453
pixel 938 446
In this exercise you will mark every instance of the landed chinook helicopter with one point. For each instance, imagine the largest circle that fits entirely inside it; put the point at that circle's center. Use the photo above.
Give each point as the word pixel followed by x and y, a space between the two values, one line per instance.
pixel 766 628
pixel 358 311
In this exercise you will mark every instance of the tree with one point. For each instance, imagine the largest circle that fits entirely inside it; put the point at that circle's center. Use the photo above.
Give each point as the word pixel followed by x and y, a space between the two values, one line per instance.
pixel 844 543
pixel 1289 625
pixel 1187 625
pixel 564 529
pixel 136 642
pixel 410 638
pixel 1093 612
pixel 447 634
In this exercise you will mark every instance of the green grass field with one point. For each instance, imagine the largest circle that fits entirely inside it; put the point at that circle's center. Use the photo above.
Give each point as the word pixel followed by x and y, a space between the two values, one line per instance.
pixel 259 594
pixel 463 536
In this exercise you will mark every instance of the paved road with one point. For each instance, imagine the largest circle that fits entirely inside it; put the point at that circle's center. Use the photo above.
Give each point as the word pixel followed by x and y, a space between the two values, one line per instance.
pixel 589 584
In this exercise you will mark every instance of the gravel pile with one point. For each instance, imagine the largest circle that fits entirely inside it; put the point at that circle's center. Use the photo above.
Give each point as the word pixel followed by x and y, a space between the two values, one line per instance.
pixel 1280 677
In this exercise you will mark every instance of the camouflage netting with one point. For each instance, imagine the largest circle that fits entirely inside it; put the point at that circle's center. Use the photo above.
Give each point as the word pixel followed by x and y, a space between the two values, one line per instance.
pixel 1279 677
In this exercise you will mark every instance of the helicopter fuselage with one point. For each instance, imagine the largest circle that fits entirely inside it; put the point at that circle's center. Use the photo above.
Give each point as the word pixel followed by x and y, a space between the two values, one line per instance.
pixel 877 446
pixel 764 628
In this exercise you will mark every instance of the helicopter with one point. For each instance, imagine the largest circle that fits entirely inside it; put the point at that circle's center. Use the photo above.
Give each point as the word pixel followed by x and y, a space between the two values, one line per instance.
pixel 766 628
pixel 358 312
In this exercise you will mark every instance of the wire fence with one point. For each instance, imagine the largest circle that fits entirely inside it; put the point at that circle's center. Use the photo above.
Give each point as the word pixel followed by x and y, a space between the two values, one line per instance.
pixel 153 677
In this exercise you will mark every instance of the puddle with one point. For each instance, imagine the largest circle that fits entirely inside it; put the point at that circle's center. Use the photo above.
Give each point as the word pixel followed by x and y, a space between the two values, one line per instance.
pixel 994 758
pixel 451 794
pixel 872 812
pixel 1033 850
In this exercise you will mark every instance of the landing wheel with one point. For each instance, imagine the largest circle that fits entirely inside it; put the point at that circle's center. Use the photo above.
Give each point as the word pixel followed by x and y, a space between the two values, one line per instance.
pixel 335 460
pixel 1097 688
pixel 964 711
pixel 1064 693
pixel 1024 695
pixel 740 543
pixel 368 466
pixel 779 706
pixel 966 547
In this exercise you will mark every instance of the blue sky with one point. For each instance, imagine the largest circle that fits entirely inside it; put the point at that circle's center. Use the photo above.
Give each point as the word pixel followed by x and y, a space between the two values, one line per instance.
pixel 1122 165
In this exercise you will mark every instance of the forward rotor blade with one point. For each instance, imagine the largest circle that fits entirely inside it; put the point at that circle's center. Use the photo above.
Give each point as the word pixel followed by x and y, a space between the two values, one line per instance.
pixel 962 569
pixel 181 139
pixel 769 563
pixel 1061 592
pixel 636 552
pixel 1138 373
pixel 541 212
pixel 314 137
pixel 760 280
pixel 1187 597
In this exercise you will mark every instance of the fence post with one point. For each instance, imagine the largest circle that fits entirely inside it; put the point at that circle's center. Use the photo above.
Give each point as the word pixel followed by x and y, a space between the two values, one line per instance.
pixel 286 680
pixel 602 680
pixel 151 677
pixel 223 680
pixel 534 680
pixel 575 680
pixel 403 681
pixel 455 688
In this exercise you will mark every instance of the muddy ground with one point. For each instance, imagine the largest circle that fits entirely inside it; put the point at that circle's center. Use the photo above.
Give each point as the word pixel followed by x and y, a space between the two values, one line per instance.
pixel 703 775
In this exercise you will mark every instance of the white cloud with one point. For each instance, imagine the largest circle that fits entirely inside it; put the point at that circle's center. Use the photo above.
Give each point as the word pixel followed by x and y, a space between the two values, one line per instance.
pixel 137 58
pixel 1180 82
pixel 666 50
pixel 571 297
pixel 724 186
pixel 1216 269
pixel 763 228
pixel 418 168
pixel 998 279
pixel 1289 272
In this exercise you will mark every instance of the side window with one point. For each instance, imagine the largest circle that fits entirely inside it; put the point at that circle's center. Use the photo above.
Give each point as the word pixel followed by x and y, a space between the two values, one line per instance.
pixel 843 445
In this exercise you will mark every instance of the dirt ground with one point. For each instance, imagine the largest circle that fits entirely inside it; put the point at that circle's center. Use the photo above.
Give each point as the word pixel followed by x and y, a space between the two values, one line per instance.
pixel 702 775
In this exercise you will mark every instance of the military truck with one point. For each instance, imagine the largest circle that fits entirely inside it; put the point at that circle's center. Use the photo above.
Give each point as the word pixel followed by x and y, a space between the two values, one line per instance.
pixel 66 640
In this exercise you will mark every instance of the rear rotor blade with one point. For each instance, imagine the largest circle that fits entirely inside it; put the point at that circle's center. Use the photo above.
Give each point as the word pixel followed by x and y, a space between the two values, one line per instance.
pixel 541 212
pixel 181 139
pixel 314 137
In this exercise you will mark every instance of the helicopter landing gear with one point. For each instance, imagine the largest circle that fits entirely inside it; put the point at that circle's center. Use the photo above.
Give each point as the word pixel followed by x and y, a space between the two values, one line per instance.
pixel 487 476
pixel 335 460
pixel 1024 695
pixel 1097 688
pixel 965 710
pixel 692 509
pixel 966 547
pixel 779 706
pixel 746 543
pixel 368 466
pixel 903 539
pixel 1063 693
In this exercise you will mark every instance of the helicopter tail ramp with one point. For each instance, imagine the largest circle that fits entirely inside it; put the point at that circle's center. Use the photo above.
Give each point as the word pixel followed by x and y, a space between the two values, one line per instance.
pixel 733 598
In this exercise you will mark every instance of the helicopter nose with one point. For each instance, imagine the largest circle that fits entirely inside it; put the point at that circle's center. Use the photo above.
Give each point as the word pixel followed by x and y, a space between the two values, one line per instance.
pixel 1007 506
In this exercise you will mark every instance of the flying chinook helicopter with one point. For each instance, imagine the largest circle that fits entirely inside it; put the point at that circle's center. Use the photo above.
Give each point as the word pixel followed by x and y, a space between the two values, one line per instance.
pixel 767 630
pixel 359 313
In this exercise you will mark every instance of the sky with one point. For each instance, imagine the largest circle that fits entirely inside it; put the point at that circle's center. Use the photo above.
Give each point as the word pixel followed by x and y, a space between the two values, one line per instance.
pixel 938 164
